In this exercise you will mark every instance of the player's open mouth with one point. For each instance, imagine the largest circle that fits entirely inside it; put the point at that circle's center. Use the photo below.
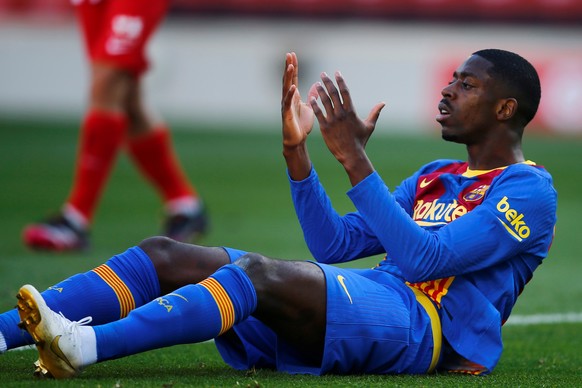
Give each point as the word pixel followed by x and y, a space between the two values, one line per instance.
pixel 444 112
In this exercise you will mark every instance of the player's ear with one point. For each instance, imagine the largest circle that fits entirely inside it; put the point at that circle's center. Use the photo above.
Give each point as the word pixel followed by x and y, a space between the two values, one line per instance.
pixel 506 109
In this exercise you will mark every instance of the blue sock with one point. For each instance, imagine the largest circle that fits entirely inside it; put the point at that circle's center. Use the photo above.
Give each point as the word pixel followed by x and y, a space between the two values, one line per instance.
pixel 106 293
pixel 234 253
pixel 194 313
pixel 13 336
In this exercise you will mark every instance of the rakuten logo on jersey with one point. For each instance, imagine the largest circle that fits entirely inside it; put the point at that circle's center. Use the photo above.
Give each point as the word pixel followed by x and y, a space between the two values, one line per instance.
pixel 513 222
pixel 437 213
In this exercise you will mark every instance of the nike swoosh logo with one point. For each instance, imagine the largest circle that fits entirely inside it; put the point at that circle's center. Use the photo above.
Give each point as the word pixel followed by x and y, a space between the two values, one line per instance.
pixel 58 352
pixel 341 281
pixel 178 295
pixel 424 183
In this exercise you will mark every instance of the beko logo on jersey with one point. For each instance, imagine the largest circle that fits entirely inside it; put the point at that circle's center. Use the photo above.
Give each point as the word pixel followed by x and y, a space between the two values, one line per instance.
pixel 517 226
pixel 433 212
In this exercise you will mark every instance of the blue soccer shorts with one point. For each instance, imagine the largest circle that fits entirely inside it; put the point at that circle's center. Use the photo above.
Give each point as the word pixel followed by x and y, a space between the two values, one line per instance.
pixel 376 324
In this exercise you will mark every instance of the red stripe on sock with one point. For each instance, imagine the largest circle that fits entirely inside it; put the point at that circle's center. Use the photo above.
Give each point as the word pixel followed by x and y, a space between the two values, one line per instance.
pixel 124 295
pixel 223 302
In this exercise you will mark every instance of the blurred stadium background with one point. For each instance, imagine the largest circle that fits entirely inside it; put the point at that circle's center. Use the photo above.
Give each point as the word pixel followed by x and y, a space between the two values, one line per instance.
pixel 220 61
pixel 216 76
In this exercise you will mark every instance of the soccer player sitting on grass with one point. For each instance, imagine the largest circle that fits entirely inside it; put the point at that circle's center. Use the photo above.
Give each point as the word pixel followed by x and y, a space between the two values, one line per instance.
pixel 462 240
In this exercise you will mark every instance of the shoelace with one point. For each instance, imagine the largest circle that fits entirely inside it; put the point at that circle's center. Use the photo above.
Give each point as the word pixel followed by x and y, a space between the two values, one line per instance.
pixel 71 325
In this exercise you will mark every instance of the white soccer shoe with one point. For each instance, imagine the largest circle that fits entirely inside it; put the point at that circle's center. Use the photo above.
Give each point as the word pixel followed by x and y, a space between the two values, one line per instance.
pixel 64 347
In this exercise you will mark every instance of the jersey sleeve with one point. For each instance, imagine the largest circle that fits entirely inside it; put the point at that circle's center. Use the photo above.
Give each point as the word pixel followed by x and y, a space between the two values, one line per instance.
pixel 330 237
pixel 517 217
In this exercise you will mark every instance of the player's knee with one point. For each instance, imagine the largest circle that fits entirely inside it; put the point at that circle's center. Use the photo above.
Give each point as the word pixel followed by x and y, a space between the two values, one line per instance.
pixel 159 249
pixel 258 269
pixel 110 86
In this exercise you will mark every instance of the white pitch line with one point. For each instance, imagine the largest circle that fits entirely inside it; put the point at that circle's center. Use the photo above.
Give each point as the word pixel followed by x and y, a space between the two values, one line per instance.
pixel 538 319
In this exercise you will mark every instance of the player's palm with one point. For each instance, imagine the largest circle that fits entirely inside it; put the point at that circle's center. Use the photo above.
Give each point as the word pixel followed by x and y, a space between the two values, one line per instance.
pixel 298 121
pixel 297 116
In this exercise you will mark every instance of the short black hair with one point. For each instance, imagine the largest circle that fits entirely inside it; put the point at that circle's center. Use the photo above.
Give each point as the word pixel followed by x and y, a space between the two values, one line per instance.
pixel 519 77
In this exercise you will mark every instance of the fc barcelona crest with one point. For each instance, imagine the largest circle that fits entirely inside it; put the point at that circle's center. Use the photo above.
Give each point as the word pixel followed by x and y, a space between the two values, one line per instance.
pixel 476 194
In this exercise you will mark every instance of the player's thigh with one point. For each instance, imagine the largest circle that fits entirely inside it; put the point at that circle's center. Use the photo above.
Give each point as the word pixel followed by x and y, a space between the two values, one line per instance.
pixel 291 296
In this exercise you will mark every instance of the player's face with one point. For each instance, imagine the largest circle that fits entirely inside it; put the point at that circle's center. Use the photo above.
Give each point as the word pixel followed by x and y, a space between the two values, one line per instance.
pixel 467 111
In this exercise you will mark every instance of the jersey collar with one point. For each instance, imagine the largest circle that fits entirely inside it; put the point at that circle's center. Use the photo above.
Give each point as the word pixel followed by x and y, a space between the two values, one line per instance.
pixel 473 173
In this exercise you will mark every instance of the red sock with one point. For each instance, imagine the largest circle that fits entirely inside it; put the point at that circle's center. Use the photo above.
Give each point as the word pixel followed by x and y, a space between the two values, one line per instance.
pixel 154 155
pixel 102 135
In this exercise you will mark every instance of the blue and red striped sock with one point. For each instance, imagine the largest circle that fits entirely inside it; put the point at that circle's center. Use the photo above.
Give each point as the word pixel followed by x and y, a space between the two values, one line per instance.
pixel 193 313
pixel 106 293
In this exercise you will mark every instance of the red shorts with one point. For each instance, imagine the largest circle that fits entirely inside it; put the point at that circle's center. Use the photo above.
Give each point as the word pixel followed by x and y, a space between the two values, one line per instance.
pixel 117 31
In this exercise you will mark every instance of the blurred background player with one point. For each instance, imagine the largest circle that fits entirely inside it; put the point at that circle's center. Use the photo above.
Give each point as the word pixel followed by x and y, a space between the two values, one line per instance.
pixel 116 33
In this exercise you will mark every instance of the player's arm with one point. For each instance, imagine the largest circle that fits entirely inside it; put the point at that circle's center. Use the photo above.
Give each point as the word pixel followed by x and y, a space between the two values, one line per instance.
pixel 297 121
pixel 516 218
pixel 335 238
pixel 330 237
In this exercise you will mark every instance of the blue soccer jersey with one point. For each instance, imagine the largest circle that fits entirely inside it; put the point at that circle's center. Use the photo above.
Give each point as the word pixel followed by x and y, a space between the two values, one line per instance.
pixel 469 240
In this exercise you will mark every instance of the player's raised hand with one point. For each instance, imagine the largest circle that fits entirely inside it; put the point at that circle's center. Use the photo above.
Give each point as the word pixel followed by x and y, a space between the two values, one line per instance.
pixel 297 116
pixel 345 134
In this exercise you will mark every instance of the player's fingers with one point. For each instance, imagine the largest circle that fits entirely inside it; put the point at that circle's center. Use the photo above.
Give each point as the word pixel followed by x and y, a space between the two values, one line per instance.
pixel 375 113
pixel 288 100
pixel 295 63
pixel 287 77
pixel 317 111
pixel 332 91
pixel 325 100
pixel 344 91
pixel 312 93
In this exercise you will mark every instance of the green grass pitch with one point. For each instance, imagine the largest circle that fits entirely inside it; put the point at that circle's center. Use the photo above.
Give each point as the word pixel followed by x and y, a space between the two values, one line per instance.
pixel 241 175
